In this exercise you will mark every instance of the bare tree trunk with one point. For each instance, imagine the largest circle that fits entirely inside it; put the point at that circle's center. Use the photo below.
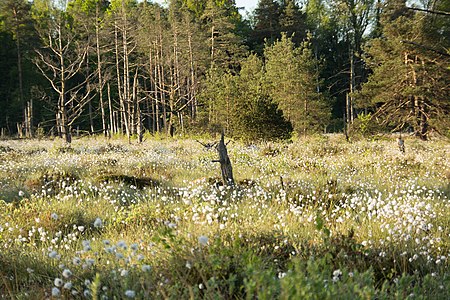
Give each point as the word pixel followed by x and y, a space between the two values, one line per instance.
pixel 161 84
pixel 19 130
pixel 29 119
pixel 99 69
pixel 347 112
pixel 91 118
pixel 111 117
pixel 25 120
pixel 126 80
pixel 119 84
pixel 305 107
pixel 225 163
pixel 58 123
pixel 19 63
pixel 155 88
pixel 135 111
pixel 140 131
pixel 352 86
pixel 62 96
pixel 192 85
pixel 212 44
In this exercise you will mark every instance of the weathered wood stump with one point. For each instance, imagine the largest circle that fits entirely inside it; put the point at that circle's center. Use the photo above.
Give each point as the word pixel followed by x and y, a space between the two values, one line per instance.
pixel 401 144
pixel 225 163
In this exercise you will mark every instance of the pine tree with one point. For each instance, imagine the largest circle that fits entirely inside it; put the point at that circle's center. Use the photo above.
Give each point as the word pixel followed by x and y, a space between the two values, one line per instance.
pixel 293 21
pixel 292 80
pixel 226 46
pixel 218 96
pixel 409 87
pixel 16 18
pixel 257 116
pixel 266 24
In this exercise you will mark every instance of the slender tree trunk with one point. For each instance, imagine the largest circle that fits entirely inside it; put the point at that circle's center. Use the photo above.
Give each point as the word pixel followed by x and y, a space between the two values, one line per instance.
pixel 111 117
pixel 30 117
pixel 135 111
pixel 99 69
pixel 305 107
pixel 91 118
pixel 212 44
pixel 157 91
pixel 62 97
pixel 161 84
pixel 192 84
pixel 352 86
pixel 140 131
pixel 19 60
pixel 119 84
pixel 126 74
pixel 347 112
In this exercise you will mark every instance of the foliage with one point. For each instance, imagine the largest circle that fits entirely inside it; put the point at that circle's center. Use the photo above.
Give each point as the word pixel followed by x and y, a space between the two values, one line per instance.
pixel 257 117
pixel 142 68
pixel 364 126
pixel 409 84
pixel 292 80
pixel 240 105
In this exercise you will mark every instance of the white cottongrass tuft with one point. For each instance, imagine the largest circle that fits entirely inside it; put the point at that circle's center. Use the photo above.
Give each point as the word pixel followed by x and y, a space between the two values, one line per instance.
pixel 122 244
pixel 336 275
pixel 98 223
pixel 58 282
pixel 53 254
pixel 56 292
pixel 203 240
pixel 67 273
pixel 86 246
pixel 146 268
pixel 68 285
pixel 76 261
pixel 54 216
pixel 130 293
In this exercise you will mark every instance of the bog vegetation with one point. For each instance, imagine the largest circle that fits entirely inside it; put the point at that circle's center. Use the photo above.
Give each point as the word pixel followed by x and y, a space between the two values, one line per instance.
pixel 304 66
pixel 318 218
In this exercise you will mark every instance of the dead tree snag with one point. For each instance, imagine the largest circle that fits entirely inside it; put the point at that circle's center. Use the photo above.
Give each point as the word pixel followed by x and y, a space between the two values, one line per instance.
pixel 225 163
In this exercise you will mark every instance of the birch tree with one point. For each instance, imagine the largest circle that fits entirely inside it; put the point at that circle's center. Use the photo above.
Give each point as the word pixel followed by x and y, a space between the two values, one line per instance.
pixel 60 60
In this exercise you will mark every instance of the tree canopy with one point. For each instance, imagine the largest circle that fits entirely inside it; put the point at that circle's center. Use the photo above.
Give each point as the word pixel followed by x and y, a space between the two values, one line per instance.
pixel 129 67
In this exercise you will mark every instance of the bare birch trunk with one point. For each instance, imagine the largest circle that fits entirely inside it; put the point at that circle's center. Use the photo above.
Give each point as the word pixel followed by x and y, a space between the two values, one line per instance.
pixel 99 70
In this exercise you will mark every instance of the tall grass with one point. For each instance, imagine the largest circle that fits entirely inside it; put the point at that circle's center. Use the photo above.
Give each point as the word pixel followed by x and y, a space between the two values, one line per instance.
pixel 319 218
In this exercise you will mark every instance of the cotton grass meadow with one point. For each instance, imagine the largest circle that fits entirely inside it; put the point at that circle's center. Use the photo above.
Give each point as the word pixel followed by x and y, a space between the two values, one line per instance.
pixel 317 218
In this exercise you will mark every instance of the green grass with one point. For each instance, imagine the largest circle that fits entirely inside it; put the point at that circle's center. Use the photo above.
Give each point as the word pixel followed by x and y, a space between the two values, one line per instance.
pixel 318 218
